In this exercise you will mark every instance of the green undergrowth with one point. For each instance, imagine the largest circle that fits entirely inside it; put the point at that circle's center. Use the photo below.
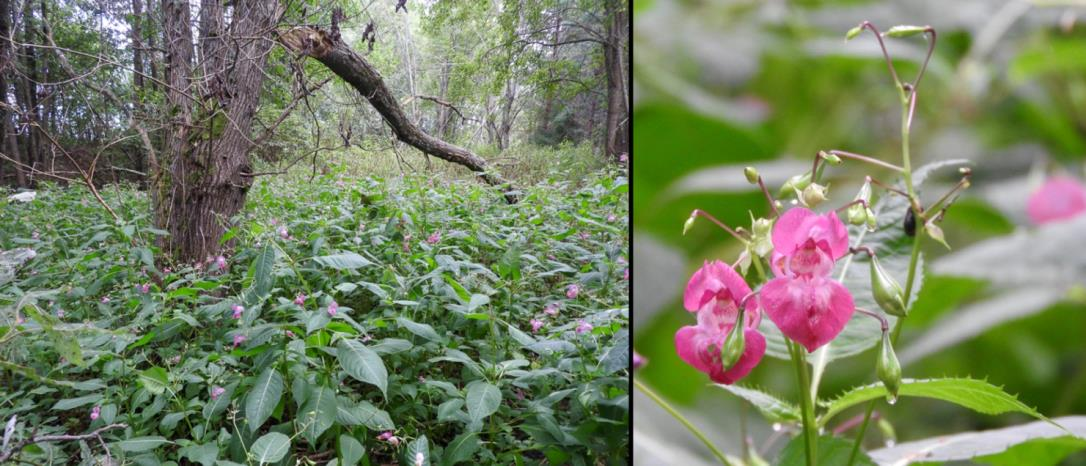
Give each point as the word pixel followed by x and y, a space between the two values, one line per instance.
pixel 416 323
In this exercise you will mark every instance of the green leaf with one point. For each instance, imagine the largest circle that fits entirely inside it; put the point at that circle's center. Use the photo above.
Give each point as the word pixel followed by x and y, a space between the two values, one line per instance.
pixel 832 451
pixel 1038 443
pixel 363 364
pixel 202 454
pixel 263 266
pixel 318 413
pixel 263 398
pixel 363 414
pixel 977 395
pixel 482 400
pixel 343 261
pixel 420 448
pixel 270 448
pixel 460 449
pixel 155 380
pixel 71 403
pixel 137 444
pixel 771 407
pixel 422 330
pixel 350 450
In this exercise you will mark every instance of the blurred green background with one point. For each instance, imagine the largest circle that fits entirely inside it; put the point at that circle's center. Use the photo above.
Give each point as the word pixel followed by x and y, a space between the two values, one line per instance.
pixel 719 85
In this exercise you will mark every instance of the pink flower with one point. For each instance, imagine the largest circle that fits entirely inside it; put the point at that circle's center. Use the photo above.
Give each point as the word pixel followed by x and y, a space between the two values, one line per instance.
pixel 175 360
pixel 283 233
pixel 333 308
pixel 536 325
pixel 60 313
pixel 551 309
pixel 299 299
pixel 394 441
pixel 434 238
pixel 239 339
pixel 95 411
pixel 1059 198
pixel 384 436
pixel 714 293
pixel 624 158
pixel 35 235
pixel 216 392
pixel 611 218
pixel 807 306
pixel 167 270
pixel 144 288
pixel 638 360
pixel 238 309
pixel 626 274
pixel 583 327
pixel 584 235
pixel 572 291
pixel 220 263
pixel 290 334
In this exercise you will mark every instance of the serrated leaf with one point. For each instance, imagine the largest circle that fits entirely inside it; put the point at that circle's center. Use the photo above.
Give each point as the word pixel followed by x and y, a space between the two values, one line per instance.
pixel 363 414
pixel 270 448
pixel 263 398
pixel 482 400
pixel 416 451
pixel 422 330
pixel 343 261
pixel 263 267
pixel 318 413
pixel 771 407
pixel 363 364
pixel 350 450
pixel 71 403
pixel 155 379
pixel 460 449
pixel 977 395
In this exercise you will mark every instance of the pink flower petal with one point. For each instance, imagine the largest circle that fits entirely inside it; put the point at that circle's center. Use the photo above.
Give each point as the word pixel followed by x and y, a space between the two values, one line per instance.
pixel 1061 197
pixel 809 310
pixel 795 227
pixel 701 350
pixel 715 280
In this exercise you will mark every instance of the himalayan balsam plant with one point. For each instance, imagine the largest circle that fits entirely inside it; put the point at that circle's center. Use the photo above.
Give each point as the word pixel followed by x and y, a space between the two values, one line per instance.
pixel 832 283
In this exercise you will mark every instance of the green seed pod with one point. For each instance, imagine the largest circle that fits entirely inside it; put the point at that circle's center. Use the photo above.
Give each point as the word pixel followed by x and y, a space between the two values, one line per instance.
pixel 888 368
pixel 857 214
pixel 872 220
pixel 689 223
pixel 832 159
pixel 886 290
pixel 751 174
pixel 733 345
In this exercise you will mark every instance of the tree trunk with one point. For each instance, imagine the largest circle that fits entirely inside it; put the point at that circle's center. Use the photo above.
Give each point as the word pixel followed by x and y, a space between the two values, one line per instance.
pixel 354 69
pixel 617 140
pixel 206 174
pixel 137 46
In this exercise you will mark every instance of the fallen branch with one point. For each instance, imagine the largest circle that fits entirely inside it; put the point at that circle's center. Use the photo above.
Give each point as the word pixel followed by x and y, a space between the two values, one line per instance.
pixel 354 69
pixel 97 433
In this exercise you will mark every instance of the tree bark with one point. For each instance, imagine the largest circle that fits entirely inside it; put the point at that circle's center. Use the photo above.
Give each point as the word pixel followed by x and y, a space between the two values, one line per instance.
pixel 137 46
pixel 357 72
pixel 617 140
pixel 206 173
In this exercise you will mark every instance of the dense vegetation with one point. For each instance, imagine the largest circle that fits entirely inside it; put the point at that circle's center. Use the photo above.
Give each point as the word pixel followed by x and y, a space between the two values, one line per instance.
pixel 361 319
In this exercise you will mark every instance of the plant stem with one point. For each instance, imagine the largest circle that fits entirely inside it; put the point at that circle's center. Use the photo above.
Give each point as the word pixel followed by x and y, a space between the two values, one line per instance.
pixel 907 101
pixel 806 402
pixel 679 417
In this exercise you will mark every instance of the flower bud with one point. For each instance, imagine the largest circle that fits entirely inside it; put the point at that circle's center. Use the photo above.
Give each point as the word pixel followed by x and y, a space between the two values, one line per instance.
pixel 814 194
pixel 888 368
pixel 733 345
pixel 751 174
pixel 852 33
pixel 689 223
pixel 886 290
pixel 936 233
pixel 904 31
pixel 795 183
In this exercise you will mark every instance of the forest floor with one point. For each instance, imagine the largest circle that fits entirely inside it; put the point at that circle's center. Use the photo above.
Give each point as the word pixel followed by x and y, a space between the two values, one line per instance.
pixel 410 321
